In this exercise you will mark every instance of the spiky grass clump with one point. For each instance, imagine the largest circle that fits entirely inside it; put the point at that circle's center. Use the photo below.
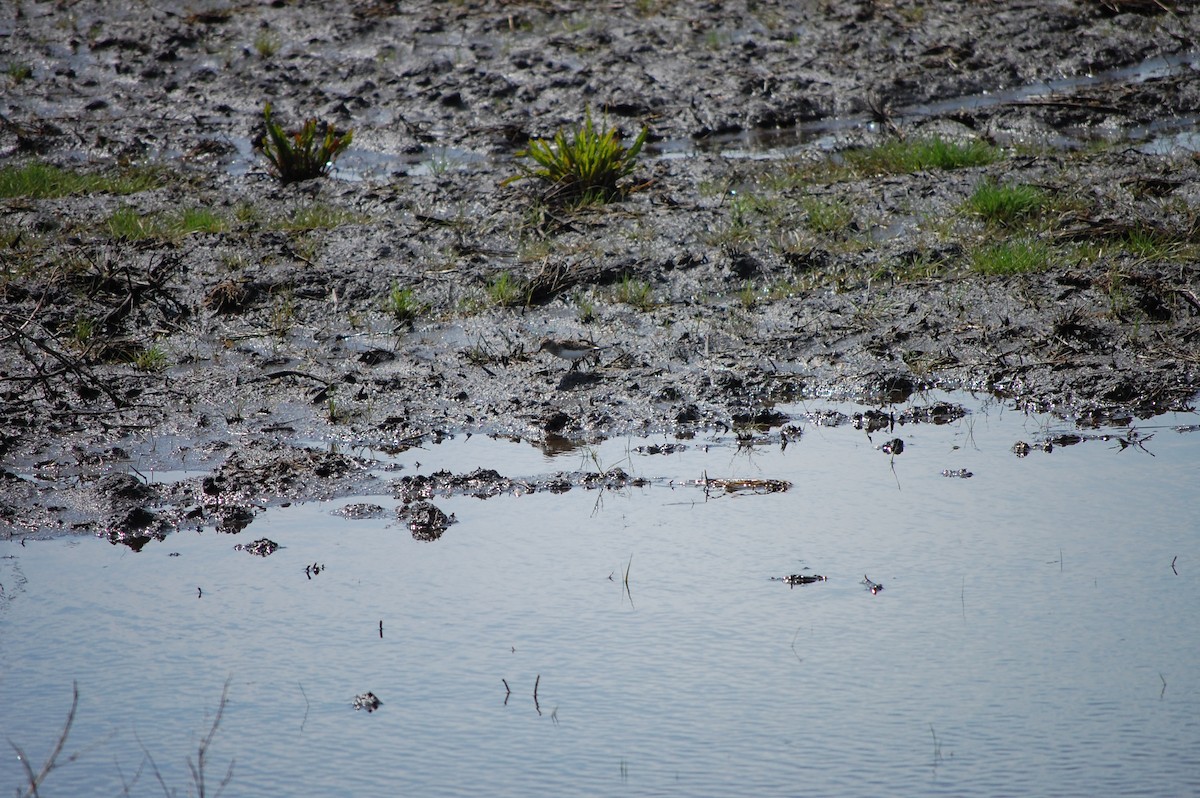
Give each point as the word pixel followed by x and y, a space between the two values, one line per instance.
pixel 1005 205
pixel 293 157
pixel 584 166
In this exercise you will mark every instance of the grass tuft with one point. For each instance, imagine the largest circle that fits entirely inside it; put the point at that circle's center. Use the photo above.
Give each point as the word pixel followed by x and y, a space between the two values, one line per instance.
pixel 826 216
pixel 634 292
pixel 403 305
pixel 1005 205
pixel 1021 256
pixel 506 291
pixel 584 166
pixel 302 155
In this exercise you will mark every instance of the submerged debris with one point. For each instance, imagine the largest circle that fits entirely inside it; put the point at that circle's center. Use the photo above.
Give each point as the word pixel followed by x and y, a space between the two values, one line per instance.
pixel 368 701
pixel 261 547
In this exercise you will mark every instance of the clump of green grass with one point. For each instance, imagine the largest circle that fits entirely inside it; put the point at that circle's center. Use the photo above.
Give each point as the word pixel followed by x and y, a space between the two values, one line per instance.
pixel 317 216
pixel 19 72
pixel 634 292
pixel 1150 244
pixel 152 358
pixel 826 216
pixel 1020 256
pixel 585 308
pixel 302 155
pixel 403 305
pixel 40 181
pixel 583 166
pixel 916 155
pixel 748 295
pixel 266 44
pixel 199 220
pixel 506 290
pixel 127 224
pixel 1005 205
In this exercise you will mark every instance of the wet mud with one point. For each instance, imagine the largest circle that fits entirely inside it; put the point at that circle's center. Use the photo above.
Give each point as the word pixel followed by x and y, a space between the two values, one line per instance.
pixel 403 299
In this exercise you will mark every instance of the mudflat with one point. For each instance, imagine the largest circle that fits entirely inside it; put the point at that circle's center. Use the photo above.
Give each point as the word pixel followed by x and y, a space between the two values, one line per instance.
pixel 793 229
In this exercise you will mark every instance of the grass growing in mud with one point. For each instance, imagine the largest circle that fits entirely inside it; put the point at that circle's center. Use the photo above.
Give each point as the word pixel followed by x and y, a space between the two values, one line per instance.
pixel 304 154
pixel 42 181
pixel 128 224
pixel 918 155
pixel 1005 205
pixel 583 166
pixel 1020 256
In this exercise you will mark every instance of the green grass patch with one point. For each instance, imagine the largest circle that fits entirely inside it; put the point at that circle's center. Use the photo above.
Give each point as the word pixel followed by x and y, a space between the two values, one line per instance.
pixel 916 155
pixel 584 165
pixel 1151 244
pixel 266 44
pixel 152 358
pixel 198 220
pixel 303 154
pixel 506 290
pixel 1019 256
pixel 39 180
pixel 748 295
pixel 128 225
pixel 403 305
pixel 826 216
pixel 634 292
pixel 318 216
pixel 19 72
pixel 1005 205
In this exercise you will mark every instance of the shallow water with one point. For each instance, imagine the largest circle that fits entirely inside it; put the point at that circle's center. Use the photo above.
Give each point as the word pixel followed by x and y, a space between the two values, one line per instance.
pixel 1036 633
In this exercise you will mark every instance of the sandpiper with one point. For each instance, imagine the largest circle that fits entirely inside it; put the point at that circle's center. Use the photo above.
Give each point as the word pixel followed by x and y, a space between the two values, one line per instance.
pixel 574 351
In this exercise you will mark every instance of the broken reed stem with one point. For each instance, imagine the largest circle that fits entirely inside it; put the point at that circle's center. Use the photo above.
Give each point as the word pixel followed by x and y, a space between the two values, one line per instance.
pixel 52 760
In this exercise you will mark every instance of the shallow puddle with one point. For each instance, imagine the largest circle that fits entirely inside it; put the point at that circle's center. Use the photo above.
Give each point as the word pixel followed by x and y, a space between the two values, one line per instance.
pixel 1035 633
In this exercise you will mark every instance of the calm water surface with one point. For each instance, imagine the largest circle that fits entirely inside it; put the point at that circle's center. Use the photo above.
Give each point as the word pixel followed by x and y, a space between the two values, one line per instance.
pixel 1032 636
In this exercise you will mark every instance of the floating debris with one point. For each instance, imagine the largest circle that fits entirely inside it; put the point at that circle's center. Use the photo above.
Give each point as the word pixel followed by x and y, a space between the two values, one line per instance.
pixel 752 485
pixel 874 587
pixel 368 701
pixel 1021 449
pixel 261 547
pixel 800 579
pixel 664 448
pixel 893 447
pixel 361 511
pixel 961 473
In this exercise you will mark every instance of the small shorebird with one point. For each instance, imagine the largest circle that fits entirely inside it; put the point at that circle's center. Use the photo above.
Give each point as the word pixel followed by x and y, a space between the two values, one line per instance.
pixel 574 351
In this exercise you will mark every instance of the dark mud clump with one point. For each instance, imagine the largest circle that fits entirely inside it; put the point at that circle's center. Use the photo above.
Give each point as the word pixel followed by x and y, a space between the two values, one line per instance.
pixel 985 198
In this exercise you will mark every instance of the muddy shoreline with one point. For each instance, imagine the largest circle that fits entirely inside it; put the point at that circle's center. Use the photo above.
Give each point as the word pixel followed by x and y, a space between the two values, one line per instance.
pixel 751 263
